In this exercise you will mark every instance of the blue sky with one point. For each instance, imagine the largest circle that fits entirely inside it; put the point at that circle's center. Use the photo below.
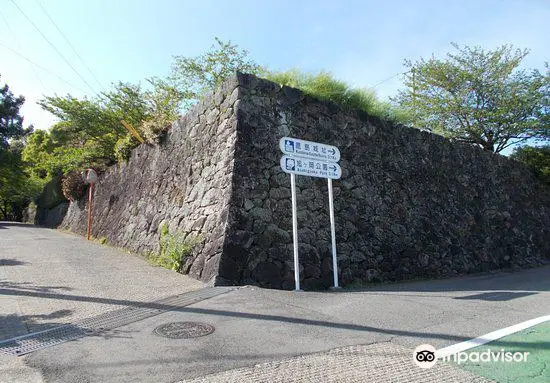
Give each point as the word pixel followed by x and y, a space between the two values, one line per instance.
pixel 361 42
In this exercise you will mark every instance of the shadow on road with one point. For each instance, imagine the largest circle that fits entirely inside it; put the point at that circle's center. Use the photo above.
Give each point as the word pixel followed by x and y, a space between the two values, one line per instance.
pixel 13 325
pixel 256 316
pixel 12 262
pixel 30 287
pixel 496 296
pixel 523 281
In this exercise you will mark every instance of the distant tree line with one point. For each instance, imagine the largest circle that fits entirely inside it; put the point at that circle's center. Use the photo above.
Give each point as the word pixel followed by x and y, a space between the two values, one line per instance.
pixel 17 186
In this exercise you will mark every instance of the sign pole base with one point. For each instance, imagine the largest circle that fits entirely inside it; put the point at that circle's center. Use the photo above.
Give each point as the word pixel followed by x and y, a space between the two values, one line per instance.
pixel 295 232
pixel 90 199
pixel 332 233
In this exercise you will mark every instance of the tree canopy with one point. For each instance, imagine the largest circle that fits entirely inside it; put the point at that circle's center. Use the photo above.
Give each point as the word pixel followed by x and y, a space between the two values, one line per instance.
pixel 193 76
pixel 537 157
pixel 11 122
pixel 87 132
pixel 90 132
pixel 479 97
pixel 17 188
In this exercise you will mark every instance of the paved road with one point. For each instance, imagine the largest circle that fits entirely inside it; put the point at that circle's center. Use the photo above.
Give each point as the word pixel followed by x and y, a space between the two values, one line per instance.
pixel 49 278
pixel 258 331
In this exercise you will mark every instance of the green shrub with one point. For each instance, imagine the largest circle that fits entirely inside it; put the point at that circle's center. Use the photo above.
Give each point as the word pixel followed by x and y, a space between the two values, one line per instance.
pixel 73 185
pixel 174 248
pixel 537 157
pixel 123 147
pixel 153 128
pixel 163 229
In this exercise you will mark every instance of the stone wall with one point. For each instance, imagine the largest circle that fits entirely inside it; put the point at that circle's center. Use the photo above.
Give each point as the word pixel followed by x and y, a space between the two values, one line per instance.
pixel 409 204
pixel 184 182
pixel 51 206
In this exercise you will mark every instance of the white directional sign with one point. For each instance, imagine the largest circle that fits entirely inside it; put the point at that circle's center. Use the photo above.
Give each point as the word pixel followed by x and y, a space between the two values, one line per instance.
pixel 307 149
pixel 307 158
pixel 310 167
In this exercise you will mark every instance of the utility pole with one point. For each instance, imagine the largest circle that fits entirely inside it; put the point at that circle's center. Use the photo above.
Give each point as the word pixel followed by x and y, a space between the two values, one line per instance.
pixel 90 178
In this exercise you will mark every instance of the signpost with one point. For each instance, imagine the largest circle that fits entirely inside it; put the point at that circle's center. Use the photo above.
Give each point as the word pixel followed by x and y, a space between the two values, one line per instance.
pixel 312 168
pixel 311 159
pixel 90 178
pixel 307 149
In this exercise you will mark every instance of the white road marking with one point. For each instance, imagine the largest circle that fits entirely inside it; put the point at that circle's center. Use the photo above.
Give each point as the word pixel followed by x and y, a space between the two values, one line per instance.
pixel 481 340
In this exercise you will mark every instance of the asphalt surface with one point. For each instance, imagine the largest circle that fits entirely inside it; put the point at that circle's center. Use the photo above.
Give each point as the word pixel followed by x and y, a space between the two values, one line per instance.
pixel 49 278
pixel 46 272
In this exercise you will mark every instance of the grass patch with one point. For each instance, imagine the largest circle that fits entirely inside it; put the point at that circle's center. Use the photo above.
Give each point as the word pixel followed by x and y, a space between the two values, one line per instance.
pixel 174 248
pixel 325 87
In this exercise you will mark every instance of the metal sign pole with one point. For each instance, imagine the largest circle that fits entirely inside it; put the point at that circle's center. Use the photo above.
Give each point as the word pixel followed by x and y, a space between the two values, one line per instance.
pixel 295 232
pixel 90 178
pixel 332 233
pixel 90 199
pixel 311 159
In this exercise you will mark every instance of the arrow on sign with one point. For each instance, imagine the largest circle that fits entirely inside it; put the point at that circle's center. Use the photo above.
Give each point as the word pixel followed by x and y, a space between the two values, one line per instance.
pixel 333 168
pixel 308 149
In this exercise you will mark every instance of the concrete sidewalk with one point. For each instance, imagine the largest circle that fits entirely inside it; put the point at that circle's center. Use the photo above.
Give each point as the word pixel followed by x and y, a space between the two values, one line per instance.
pixel 260 334
pixel 379 362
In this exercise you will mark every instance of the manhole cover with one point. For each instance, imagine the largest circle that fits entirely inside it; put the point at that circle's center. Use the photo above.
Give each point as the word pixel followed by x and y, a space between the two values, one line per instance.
pixel 184 330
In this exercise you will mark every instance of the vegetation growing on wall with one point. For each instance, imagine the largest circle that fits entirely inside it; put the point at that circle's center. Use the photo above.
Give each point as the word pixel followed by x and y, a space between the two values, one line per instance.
pixel 72 185
pixel 173 249
pixel 324 86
